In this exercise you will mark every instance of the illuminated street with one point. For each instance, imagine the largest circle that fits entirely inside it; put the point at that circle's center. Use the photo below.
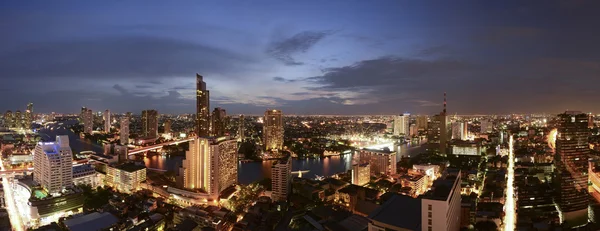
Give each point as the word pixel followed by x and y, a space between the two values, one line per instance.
pixel 509 206
pixel 15 219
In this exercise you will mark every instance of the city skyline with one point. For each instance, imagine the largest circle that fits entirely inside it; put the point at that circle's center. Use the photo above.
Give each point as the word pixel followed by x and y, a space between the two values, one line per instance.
pixel 386 57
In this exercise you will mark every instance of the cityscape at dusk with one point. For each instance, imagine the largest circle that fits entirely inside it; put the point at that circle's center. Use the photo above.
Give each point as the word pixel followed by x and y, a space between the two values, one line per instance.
pixel 306 115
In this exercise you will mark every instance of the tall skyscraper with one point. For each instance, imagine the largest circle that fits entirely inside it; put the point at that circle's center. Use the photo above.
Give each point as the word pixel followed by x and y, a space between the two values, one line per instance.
pixel 124 130
pixel 8 119
pixel 459 130
pixel 219 122
pixel 107 121
pixel 88 121
pixel 571 161
pixel 53 163
pixel 210 164
pixel 167 126
pixel 150 123
pixel 273 130
pixel 422 123
pixel 281 179
pixel 241 129
pixel 82 114
pixel 401 124
pixel 443 130
pixel 202 108
pixel 28 116
pixel 18 119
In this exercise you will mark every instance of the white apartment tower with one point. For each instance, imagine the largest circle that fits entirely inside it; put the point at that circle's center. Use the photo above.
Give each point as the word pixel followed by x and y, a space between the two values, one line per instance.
pixel 210 164
pixel 124 132
pixel 107 121
pixel 281 179
pixel 401 124
pixel 273 130
pixel 53 165
pixel 440 207
pixel 88 121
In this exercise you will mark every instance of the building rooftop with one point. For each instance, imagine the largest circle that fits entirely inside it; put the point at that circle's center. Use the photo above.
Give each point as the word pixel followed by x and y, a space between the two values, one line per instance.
pixel 92 221
pixel 379 151
pixel 400 211
pixel 442 187
pixel 130 167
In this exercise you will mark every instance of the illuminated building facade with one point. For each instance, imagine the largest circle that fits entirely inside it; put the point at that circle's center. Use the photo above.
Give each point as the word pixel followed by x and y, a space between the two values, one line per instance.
pixel 281 179
pixel 124 130
pixel 88 121
pixel 8 119
pixel 401 124
pixel 210 165
pixel 167 126
pixel 380 161
pixel 18 119
pixel 53 163
pixel 361 174
pixel 486 126
pixel 106 121
pixel 571 161
pixel 202 108
pixel 273 130
pixel 28 116
pixel 422 123
pixel 219 122
pixel 85 174
pixel 150 124
pixel 440 207
pixel 241 129
pixel 125 177
pixel 459 130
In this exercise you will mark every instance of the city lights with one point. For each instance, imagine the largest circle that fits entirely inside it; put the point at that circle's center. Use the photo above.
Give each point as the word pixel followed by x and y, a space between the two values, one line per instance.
pixel 509 206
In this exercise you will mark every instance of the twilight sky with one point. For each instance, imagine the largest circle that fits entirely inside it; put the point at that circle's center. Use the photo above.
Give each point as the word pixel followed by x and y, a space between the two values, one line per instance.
pixel 304 57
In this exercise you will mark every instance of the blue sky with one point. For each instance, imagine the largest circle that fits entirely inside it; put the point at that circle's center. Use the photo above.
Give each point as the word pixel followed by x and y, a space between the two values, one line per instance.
pixel 304 57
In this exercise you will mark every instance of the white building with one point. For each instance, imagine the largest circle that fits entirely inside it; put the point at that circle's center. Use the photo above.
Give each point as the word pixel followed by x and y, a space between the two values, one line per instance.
pixel 401 124
pixel 124 130
pixel 125 177
pixel 210 164
pixel 88 121
pixel 459 131
pixel 53 163
pixel 440 207
pixel 273 130
pixel 380 161
pixel 107 121
pixel 361 174
pixel 86 174
pixel 281 179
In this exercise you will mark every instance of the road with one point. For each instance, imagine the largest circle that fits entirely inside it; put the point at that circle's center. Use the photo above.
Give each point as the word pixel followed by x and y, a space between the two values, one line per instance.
pixel 9 200
pixel 509 205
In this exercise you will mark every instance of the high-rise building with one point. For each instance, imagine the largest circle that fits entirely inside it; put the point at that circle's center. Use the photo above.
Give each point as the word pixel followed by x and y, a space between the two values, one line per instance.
pixel 273 130
pixel 18 119
pixel 361 174
pixel 422 123
pixel 459 130
pixel 571 161
pixel 440 207
pixel 281 179
pixel 167 126
pixel 28 116
pixel 82 114
pixel 210 164
pixel 53 163
pixel 106 121
pixel 437 132
pixel 590 120
pixel 241 129
pixel 443 128
pixel 219 122
pixel 124 130
pixel 401 124
pixel 380 161
pixel 8 119
pixel 150 123
pixel 202 108
pixel 88 121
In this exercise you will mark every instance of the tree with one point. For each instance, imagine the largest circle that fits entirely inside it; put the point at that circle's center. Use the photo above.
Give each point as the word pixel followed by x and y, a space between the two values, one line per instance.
pixel 486 226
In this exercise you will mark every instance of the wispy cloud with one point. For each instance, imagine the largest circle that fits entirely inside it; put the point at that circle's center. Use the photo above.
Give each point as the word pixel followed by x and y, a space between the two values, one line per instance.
pixel 284 50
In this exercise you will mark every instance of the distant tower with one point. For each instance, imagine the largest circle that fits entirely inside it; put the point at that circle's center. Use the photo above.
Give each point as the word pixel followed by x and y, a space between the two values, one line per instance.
pixel 82 114
pixel 241 129
pixel 88 121
pixel 124 130
pixel 107 121
pixel 443 129
pixel 401 124
pixel 150 123
pixel 167 126
pixel 28 116
pixel 273 130
pixel 202 108
pixel 219 122
pixel 8 119
pixel 18 119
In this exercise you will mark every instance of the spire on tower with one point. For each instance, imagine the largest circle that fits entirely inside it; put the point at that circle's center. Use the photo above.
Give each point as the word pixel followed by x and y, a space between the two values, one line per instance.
pixel 444 103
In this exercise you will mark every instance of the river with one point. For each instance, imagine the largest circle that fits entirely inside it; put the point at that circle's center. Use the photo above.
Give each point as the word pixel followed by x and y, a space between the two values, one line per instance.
pixel 248 172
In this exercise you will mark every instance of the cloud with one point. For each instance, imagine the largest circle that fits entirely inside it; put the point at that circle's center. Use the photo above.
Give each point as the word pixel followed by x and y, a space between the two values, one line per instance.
pixel 283 80
pixel 283 50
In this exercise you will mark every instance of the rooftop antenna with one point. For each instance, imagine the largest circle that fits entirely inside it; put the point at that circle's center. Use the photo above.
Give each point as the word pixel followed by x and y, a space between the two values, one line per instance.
pixel 444 103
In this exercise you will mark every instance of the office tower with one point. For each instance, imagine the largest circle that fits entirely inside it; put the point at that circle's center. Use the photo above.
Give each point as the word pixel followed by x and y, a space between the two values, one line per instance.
pixel 422 123
pixel 590 120
pixel 241 129
pixel 210 164
pixel 28 116
pixel 18 119
pixel 443 130
pixel 202 108
pixel 150 123
pixel 106 121
pixel 219 122
pixel 124 130
pixel 440 207
pixel 53 163
pixel 380 161
pixel 571 161
pixel 361 174
pixel 281 179
pixel 88 121
pixel 167 126
pixel 401 124
pixel 273 130
pixel 8 119
pixel 82 114
pixel 459 130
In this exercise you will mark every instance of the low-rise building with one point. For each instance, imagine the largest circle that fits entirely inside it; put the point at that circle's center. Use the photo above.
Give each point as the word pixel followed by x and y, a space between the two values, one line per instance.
pixel 86 174
pixel 361 174
pixel 125 177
